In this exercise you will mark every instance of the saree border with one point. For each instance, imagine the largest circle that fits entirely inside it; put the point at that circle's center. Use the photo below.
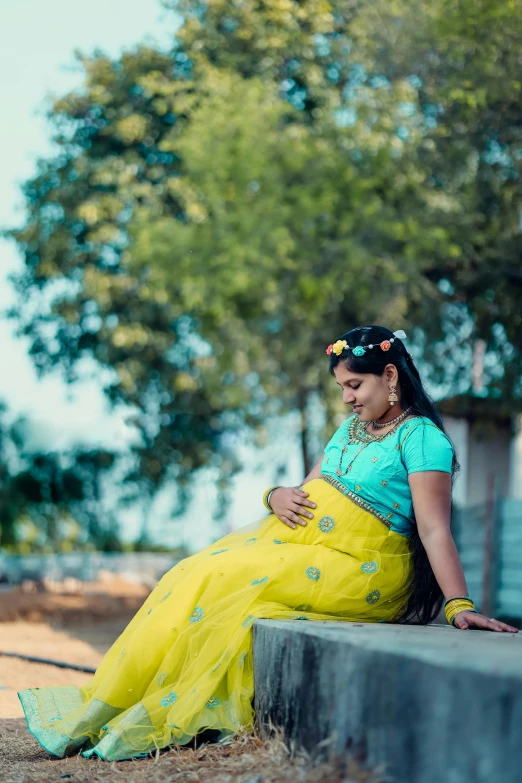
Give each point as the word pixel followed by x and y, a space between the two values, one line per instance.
pixel 356 499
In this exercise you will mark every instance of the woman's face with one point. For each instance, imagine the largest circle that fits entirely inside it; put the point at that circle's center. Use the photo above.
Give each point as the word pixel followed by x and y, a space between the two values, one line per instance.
pixel 368 393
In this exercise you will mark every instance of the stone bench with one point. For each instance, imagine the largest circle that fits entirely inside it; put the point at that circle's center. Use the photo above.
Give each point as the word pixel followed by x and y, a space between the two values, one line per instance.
pixel 431 704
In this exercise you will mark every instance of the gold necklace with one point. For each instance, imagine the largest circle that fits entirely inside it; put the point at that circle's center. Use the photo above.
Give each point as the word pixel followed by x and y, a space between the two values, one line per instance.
pixel 339 466
pixel 356 433
pixel 381 425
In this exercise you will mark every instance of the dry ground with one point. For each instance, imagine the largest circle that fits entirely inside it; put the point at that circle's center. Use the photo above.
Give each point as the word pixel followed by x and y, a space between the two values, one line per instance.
pixel 79 629
pixel 244 760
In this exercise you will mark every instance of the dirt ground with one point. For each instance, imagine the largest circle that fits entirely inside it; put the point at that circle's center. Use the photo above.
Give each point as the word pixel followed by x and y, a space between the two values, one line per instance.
pixel 79 628
pixel 74 627
pixel 45 641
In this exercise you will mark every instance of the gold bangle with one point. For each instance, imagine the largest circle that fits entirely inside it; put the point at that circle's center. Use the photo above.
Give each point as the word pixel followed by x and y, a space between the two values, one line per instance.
pixel 458 605
pixel 451 616
pixel 456 598
pixel 265 498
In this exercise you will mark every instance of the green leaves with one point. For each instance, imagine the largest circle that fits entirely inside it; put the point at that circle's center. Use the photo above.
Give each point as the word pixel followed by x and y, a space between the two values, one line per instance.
pixel 464 62
pixel 219 213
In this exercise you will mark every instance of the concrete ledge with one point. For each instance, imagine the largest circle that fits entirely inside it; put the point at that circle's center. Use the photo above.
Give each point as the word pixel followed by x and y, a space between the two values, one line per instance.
pixel 434 705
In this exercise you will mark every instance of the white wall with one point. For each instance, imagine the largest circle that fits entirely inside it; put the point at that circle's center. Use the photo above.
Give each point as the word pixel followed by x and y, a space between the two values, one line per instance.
pixel 458 431
pixel 483 454
pixel 489 456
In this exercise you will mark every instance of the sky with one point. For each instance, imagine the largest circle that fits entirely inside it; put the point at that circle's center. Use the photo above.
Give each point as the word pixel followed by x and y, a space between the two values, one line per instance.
pixel 37 44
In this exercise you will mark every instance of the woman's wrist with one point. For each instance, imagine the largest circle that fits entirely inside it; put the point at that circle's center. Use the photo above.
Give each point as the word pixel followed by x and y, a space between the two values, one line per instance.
pixel 266 497
pixel 270 495
pixel 459 603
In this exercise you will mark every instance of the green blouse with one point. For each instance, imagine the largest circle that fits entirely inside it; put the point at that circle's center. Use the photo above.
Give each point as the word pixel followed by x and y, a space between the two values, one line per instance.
pixel 378 476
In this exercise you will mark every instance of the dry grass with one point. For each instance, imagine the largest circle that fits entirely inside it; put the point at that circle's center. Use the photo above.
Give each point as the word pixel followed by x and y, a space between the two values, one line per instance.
pixel 245 759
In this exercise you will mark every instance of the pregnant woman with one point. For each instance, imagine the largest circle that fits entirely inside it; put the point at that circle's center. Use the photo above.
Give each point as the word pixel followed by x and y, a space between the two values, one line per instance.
pixel 365 537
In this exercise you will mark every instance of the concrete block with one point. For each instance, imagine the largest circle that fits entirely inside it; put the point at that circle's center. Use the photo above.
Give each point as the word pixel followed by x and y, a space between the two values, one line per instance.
pixel 433 704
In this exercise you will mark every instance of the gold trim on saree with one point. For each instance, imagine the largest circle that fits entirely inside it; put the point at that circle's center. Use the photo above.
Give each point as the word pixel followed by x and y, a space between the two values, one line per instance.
pixel 357 500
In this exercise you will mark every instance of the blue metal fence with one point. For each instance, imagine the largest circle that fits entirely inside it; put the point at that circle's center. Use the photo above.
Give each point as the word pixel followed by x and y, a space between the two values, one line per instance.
pixel 489 540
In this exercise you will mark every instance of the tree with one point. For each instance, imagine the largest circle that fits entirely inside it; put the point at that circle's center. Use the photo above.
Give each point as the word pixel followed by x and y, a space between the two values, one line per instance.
pixel 120 173
pixel 463 60
pixel 462 64
pixel 218 213
pixel 304 48
pixel 55 497
pixel 286 236
pixel 79 206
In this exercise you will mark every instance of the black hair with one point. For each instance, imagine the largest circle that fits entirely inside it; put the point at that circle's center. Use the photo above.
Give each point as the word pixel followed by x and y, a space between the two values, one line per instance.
pixel 426 597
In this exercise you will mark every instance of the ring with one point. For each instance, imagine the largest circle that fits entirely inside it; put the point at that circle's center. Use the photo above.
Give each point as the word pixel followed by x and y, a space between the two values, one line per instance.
pixel 492 619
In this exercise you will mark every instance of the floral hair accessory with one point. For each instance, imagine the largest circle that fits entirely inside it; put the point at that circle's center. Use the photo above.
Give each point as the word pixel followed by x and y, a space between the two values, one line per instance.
pixel 341 345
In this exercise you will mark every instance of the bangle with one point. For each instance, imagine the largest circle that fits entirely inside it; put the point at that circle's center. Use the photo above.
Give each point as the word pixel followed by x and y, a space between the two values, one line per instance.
pixel 266 498
pixel 457 605
pixel 456 598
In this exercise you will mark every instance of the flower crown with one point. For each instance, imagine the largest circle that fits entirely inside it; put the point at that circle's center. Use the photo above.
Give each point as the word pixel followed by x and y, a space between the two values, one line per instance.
pixel 359 350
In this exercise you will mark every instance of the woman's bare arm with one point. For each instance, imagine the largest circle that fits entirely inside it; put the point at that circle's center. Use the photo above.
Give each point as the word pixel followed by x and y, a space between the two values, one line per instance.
pixel 431 495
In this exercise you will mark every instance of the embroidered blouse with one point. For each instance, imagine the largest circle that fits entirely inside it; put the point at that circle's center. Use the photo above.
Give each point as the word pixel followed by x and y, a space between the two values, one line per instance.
pixel 378 476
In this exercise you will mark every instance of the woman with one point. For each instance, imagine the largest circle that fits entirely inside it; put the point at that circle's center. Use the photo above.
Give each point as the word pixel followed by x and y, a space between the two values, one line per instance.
pixel 366 538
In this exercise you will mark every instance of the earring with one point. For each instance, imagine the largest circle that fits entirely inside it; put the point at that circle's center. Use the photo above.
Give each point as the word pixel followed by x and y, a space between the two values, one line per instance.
pixel 392 399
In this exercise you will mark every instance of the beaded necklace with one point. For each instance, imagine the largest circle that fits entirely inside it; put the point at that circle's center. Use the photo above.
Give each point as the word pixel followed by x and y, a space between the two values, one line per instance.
pixel 380 425
pixel 357 434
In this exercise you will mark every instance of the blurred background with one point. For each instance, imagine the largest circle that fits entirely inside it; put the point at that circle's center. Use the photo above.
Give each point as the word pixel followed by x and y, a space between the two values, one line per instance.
pixel 196 199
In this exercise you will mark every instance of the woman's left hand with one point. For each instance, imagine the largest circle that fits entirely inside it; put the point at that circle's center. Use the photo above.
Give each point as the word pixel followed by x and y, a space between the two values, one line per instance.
pixel 466 620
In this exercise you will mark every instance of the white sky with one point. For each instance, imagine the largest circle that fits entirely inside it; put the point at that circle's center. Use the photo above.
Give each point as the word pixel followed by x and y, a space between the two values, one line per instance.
pixel 37 41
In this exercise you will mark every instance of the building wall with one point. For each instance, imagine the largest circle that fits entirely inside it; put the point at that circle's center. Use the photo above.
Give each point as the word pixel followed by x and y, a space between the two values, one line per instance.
pixel 458 431
pixel 489 452
pixel 484 451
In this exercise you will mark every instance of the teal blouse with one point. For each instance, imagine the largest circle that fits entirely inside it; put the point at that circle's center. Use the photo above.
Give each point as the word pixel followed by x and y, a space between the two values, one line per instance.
pixel 379 474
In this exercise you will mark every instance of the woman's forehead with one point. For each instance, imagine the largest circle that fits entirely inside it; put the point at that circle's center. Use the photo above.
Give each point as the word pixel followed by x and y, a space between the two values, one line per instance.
pixel 344 374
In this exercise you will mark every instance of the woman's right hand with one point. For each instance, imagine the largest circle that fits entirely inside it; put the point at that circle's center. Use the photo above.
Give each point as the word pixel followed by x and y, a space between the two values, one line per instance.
pixel 289 504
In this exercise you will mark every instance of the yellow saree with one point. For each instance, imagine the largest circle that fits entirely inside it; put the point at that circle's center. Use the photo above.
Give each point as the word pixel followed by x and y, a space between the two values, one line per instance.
pixel 184 662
